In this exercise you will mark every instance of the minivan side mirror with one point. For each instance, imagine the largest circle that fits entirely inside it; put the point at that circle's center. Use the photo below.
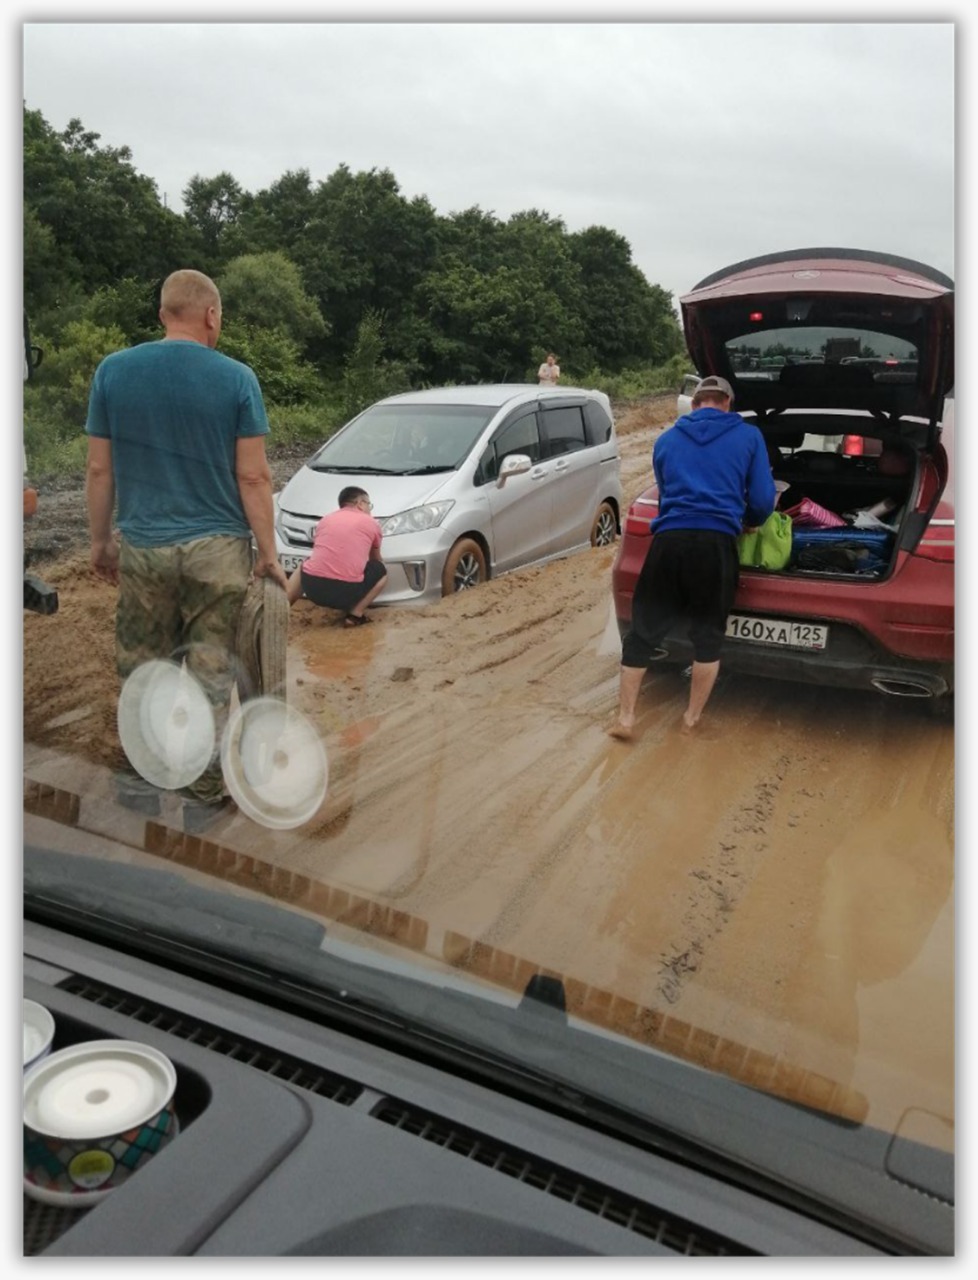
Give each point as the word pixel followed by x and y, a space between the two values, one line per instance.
pixel 516 464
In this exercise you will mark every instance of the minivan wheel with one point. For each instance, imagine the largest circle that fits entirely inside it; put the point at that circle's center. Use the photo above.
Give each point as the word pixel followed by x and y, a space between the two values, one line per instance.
pixel 465 567
pixel 605 526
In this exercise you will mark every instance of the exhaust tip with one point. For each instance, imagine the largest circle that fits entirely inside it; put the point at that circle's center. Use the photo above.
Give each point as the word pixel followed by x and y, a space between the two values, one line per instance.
pixel 904 688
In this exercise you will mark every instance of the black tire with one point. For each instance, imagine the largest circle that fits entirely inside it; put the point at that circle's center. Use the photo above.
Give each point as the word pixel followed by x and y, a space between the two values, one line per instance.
pixel 263 629
pixel 273 640
pixel 465 567
pixel 604 530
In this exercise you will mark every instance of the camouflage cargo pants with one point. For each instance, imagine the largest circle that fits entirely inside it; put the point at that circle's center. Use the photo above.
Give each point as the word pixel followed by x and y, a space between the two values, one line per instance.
pixel 182 602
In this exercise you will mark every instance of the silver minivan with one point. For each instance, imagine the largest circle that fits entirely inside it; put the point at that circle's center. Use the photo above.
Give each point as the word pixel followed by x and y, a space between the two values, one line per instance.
pixel 467 483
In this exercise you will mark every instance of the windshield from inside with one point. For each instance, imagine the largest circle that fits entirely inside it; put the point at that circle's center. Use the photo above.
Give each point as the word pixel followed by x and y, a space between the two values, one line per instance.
pixel 405 438
pixel 460 857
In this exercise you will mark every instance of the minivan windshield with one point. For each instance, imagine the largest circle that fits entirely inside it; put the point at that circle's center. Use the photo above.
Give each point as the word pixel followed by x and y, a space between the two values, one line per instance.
pixel 405 439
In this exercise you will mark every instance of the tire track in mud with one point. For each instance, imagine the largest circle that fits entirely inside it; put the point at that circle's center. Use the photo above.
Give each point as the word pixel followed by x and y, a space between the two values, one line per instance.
pixel 720 880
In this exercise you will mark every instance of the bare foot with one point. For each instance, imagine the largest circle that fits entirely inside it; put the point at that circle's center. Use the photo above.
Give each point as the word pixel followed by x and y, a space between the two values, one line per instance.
pixel 687 725
pixel 623 732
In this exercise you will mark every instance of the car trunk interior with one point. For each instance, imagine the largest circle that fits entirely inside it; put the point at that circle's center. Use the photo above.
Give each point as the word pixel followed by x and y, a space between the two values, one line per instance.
pixel 847 492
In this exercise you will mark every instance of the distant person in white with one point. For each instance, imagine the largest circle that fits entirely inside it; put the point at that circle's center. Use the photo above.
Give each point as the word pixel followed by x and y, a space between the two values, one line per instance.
pixel 548 374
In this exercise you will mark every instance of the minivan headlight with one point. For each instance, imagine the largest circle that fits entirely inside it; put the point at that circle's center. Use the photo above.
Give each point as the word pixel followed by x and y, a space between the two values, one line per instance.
pixel 417 519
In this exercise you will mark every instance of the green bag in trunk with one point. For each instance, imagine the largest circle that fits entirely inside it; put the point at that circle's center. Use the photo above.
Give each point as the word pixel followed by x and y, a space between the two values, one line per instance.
pixel 768 547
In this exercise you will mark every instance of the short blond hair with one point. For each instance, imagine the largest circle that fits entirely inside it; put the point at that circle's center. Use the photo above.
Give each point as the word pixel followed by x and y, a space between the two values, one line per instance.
pixel 188 292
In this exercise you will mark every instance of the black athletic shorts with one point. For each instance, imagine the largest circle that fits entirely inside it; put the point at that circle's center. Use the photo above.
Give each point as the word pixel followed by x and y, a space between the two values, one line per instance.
pixel 332 593
pixel 689 575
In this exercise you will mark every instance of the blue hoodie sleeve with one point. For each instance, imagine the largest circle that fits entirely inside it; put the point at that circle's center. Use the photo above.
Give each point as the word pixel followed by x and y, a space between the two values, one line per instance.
pixel 761 493
pixel 657 464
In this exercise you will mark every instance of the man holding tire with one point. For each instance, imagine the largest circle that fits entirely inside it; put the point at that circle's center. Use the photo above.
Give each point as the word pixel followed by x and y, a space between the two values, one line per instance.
pixel 176 441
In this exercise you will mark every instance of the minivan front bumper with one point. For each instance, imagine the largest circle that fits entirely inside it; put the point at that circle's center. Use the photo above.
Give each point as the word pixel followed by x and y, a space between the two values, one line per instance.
pixel 414 564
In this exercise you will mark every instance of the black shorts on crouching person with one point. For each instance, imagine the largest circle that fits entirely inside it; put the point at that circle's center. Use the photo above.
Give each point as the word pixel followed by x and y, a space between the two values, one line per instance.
pixel 688 574
pixel 334 593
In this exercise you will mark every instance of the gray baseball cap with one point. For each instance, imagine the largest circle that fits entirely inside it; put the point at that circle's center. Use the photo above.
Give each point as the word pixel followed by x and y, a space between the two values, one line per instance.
pixel 713 383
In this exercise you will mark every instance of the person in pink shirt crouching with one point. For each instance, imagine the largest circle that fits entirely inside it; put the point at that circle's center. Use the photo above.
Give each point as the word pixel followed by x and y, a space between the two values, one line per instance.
pixel 345 570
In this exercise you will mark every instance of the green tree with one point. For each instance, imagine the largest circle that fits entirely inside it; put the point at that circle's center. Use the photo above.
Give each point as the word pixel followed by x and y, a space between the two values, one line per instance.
pixel 365 248
pixel 367 375
pixel 627 319
pixel 500 294
pixel 105 219
pixel 276 218
pixel 50 277
pixel 212 206
pixel 266 289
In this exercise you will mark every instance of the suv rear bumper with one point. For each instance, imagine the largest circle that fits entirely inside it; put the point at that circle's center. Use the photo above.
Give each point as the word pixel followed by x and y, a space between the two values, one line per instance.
pixel 850 661
pixel 904 618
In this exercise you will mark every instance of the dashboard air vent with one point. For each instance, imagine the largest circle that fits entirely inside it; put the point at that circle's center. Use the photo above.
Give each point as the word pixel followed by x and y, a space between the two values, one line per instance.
pixel 293 1071
pixel 664 1228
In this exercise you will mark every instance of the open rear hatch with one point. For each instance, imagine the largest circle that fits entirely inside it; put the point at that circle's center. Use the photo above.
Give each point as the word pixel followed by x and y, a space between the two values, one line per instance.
pixel 843 358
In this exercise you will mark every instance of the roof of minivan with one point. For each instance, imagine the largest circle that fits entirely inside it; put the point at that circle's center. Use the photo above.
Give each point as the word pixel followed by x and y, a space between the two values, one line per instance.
pixel 493 394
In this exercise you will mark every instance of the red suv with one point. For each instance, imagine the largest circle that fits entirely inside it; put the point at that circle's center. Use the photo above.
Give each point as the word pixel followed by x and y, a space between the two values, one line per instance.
pixel 870 602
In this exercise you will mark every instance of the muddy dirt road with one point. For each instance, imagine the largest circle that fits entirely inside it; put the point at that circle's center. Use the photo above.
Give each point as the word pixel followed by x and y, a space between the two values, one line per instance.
pixel 772 895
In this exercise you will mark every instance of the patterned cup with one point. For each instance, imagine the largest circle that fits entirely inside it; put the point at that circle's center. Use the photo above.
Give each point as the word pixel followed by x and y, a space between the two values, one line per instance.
pixel 94 1114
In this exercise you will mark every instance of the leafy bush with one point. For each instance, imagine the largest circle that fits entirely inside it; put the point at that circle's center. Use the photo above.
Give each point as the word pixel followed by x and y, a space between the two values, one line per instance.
pixel 276 358
pixel 56 403
pixel 48 456
pixel 131 306
pixel 633 383
pixel 310 423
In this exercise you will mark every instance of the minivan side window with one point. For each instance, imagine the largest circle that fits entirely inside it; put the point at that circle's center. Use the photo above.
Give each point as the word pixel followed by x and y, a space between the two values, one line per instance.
pixel 522 435
pixel 597 422
pixel 563 430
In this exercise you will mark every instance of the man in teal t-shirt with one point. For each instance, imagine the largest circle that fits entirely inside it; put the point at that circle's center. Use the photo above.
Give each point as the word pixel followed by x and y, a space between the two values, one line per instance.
pixel 176 447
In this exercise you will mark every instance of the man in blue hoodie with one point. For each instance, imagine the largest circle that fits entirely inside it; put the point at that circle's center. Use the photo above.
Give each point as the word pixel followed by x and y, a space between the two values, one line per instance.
pixel 714 480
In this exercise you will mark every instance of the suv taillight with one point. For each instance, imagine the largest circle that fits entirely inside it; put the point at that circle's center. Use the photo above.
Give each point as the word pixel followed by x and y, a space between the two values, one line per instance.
pixel 853 446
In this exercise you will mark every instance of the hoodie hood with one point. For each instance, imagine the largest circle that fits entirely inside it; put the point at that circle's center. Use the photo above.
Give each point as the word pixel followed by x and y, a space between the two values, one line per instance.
pixel 707 424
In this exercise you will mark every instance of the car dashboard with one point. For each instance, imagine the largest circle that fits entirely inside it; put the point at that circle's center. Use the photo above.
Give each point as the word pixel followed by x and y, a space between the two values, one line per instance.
pixel 296 1138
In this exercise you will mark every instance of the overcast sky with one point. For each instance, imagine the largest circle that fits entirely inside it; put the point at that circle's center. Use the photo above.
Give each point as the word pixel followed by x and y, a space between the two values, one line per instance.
pixel 701 143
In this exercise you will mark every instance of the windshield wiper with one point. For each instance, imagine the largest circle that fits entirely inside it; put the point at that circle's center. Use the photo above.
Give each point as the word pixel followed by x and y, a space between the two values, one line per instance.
pixel 426 471
pixel 356 471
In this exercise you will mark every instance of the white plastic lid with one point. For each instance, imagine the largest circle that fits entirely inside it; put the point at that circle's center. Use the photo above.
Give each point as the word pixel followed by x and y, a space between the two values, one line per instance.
pixel 166 724
pixel 97 1089
pixel 38 1029
pixel 274 763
